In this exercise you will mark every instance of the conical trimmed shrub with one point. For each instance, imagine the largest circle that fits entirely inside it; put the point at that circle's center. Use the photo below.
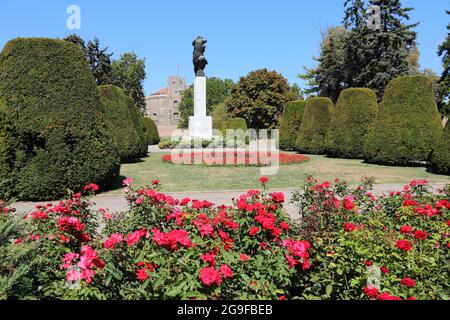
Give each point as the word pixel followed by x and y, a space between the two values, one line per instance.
pixel 53 129
pixel 124 120
pixel 150 131
pixel 314 128
pixel 441 156
pixel 355 111
pixel 407 126
pixel 290 122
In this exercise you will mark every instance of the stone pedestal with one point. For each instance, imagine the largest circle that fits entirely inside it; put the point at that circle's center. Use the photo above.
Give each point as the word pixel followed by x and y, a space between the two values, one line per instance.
pixel 200 125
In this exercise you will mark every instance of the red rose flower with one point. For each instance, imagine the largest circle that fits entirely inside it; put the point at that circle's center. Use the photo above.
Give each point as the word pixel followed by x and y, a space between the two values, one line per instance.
pixel 408 282
pixel 404 245
pixel 253 231
pixel 226 271
pixel 386 296
pixel 371 292
pixel 244 257
pixel 406 229
pixel 284 225
pixel 420 235
pixel 368 263
pixel 349 227
pixel 349 204
pixel 384 270
pixel 263 180
pixel 209 276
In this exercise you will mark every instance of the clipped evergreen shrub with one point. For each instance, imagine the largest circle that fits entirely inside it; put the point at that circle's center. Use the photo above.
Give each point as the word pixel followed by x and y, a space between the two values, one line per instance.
pixel 233 124
pixel 407 126
pixel 440 162
pixel 355 111
pixel 53 129
pixel 316 121
pixel 290 122
pixel 150 131
pixel 124 119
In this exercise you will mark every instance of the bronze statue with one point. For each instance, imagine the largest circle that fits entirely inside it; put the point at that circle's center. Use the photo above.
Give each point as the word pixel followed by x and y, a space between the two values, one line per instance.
pixel 199 60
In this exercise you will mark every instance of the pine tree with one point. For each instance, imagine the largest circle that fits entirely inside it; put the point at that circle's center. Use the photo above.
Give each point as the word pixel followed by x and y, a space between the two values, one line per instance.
pixel 328 78
pixel 444 82
pixel 374 57
pixel 100 62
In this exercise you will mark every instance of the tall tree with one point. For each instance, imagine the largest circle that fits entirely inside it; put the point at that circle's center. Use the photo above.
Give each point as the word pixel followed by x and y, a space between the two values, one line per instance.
pixel 444 82
pixel 100 62
pixel 374 56
pixel 128 73
pixel 328 79
pixel 259 98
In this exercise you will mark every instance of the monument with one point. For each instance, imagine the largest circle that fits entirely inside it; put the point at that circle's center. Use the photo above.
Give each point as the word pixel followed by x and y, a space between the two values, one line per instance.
pixel 200 125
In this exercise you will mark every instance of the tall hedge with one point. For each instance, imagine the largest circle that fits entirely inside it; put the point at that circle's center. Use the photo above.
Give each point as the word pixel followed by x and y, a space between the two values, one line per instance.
pixel 316 121
pixel 150 131
pixel 53 129
pixel 124 119
pixel 290 122
pixel 440 162
pixel 407 126
pixel 355 111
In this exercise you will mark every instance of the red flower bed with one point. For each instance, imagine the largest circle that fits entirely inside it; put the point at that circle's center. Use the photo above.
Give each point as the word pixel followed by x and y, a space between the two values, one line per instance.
pixel 234 158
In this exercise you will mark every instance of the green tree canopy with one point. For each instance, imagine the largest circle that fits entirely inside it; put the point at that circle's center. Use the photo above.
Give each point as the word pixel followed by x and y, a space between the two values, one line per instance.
pixel 259 98
pixel 128 73
pixel 444 82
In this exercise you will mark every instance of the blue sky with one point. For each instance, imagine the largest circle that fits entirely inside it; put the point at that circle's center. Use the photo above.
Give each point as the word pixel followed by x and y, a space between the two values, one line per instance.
pixel 243 35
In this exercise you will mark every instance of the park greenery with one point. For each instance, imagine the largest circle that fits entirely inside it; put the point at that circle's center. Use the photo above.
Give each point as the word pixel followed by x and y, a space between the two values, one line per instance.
pixel 72 125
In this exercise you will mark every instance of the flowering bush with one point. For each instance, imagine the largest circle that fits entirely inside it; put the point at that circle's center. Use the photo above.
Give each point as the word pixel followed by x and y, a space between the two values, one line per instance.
pixel 395 246
pixel 163 248
pixel 349 244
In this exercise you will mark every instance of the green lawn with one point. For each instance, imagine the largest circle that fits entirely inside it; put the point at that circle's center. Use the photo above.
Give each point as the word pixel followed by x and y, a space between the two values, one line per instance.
pixel 202 178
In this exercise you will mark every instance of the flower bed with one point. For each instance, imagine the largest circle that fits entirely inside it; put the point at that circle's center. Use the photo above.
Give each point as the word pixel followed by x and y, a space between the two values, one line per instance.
pixel 213 158
pixel 350 244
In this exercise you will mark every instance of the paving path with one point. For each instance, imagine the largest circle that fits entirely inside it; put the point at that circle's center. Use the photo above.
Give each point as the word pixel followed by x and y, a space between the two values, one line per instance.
pixel 116 203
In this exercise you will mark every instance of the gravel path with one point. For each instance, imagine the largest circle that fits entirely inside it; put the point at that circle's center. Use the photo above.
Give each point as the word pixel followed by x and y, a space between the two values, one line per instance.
pixel 118 203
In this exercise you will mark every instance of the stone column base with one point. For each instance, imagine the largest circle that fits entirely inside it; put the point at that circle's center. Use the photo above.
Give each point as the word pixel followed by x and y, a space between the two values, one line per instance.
pixel 200 127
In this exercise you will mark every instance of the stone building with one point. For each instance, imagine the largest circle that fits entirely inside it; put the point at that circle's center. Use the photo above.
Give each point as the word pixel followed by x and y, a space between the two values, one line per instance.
pixel 162 106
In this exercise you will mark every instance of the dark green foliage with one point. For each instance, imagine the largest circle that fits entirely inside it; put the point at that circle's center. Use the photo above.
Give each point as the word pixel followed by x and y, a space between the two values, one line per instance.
pixel 259 98
pixel 355 111
pixel 374 57
pixel 219 114
pixel 407 125
pixel 16 260
pixel 290 123
pixel 316 121
pixel 233 124
pixel 217 91
pixel 441 156
pixel 129 74
pixel 150 131
pixel 444 82
pixel 124 120
pixel 53 125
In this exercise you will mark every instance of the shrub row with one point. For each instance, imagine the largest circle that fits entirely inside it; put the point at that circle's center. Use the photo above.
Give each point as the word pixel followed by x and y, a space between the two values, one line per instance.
pixel 405 131
pixel 290 122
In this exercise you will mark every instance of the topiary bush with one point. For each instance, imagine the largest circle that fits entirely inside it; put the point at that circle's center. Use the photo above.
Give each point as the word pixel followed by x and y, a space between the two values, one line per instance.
pixel 233 124
pixel 124 119
pixel 53 129
pixel 440 162
pixel 290 122
pixel 150 131
pixel 407 125
pixel 355 111
pixel 316 121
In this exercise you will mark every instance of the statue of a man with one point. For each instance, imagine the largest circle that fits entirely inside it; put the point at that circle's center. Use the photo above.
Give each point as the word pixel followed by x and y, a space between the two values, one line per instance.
pixel 199 59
